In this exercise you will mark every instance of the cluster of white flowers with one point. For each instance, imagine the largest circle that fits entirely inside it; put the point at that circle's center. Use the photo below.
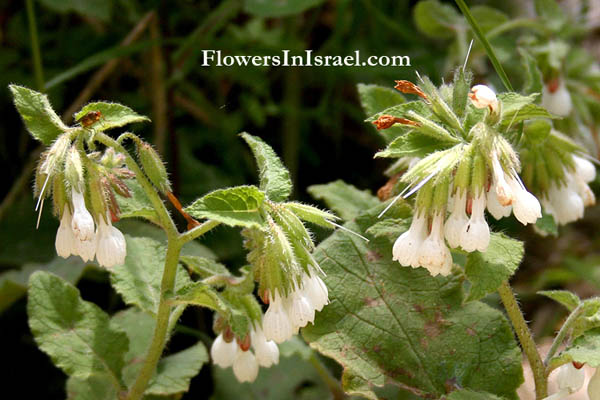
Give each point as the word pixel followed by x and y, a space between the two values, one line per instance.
pixel 245 358
pixel 287 314
pixel 76 235
pixel 566 201
pixel 571 379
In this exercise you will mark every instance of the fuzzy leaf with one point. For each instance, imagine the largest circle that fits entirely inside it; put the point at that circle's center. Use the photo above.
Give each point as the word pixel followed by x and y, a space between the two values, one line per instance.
pixel 204 267
pixel 471 395
pixel 236 206
pixel 486 271
pixel 96 387
pixel 533 77
pixel 274 177
pixel 174 372
pixel 584 349
pixel 529 111
pixel 138 205
pixel 76 334
pixel 37 113
pixel 402 110
pixel 138 280
pixel 564 297
pixel 311 214
pixel 114 115
pixel 396 326
pixel 346 200
pixel 374 98
pixel 413 144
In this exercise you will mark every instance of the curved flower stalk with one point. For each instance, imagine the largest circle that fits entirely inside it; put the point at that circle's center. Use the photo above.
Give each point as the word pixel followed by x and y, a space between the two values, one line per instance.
pixel 246 355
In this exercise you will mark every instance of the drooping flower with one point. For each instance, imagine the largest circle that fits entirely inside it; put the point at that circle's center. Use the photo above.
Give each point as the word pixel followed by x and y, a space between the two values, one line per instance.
pixel 407 246
pixel 223 353
pixel 266 351
pixel 316 291
pixel 434 255
pixel 494 207
pixel 66 243
pixel 525 206
pixel 276 322
pixel 245 366
pixel 457 221
pixel 300 309
pixel 111 248
pixel 476 234
pixel 482 97
pixel 82 222
pixel 556 98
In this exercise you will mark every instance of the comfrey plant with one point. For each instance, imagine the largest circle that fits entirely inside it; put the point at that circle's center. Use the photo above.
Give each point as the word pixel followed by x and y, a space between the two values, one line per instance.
pixel 94 181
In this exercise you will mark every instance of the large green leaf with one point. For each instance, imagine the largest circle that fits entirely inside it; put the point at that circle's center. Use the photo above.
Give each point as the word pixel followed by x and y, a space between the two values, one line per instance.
pixel 174 372
pixel 471 395
pixel 138 280
pixel 375 98
pixel 76 334
pixel 236 206
pixel 114 115
pixel 274 177
pixel 346 200
pixel 37 113
pixel 486 271
pixel 96 387
pixel 138 205
pixel 388 324
pixel 278 8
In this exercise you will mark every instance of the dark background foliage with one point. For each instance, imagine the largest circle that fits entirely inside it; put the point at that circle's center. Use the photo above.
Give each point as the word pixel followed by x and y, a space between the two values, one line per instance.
pixel 311 116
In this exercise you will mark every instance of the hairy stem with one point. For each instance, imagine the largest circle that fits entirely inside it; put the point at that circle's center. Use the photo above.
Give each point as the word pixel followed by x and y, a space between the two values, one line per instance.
pixel 562 333
pixel 524 334
pixel 159 337
pixel 35 47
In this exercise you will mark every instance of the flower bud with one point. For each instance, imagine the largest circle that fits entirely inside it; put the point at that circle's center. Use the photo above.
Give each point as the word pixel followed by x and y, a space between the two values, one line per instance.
pixel 556 98
pixel 483 97
pixel 584 169
pixel 154 167
pixel 74 169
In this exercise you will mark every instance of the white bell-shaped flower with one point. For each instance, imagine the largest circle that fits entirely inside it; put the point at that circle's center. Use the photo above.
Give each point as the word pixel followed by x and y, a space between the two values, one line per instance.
pixel 565 203
pixel 503 190
pixel 222 353
pixel 245 366
pixel 476 234
pixel 66 243
pixel 570 378
pixel 266 351
pixel 276 323
pixel 557 100
pixel 82 222
pixel 493 205
pixel 86 249
pixel 300 309
pixel 593 387
pixel 433 253
pixel 111 249
pixel 316 291
pixel 584 169
pixel 457 221
pixel 526 207
pixel 406 248
pixel 482 97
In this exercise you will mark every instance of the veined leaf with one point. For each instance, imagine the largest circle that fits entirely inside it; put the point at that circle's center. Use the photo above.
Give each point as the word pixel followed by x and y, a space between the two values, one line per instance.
pixel 311 214
pixel 564 297
pixel 114 115
pixel 346 200
pixel 236 206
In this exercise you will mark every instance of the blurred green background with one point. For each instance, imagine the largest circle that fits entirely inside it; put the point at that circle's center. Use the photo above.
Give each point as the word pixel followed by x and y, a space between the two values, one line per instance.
pixel 147 55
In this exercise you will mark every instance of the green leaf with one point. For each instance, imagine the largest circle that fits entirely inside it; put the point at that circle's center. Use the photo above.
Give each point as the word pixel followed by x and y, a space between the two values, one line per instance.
pixel 553 15
pixel 13 283
pixel 96 387
pixel 402 110
pixel 278 8
pixel 138 280
pixel 375 98
pixel 174 372
pixel 311 214
pixel 138 205
pixel 460 91
pixel 205 267
pixel 530 111
pixel 396 326
pixel 274 177
pixel 412 144
pixel 471 395
pixel 486 271
pixel 564 297
pixel 236 206
pixel 76 334
pixel 584 349
pixel 37 113
pixel 89 9
pixel 488 18
pixel 114 115
pixel 437 20
pixel 533 76
pixel 391 228
pixel 346 200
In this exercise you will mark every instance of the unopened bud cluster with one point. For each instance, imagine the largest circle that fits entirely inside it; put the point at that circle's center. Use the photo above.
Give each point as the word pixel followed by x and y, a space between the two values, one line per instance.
pixel 83 188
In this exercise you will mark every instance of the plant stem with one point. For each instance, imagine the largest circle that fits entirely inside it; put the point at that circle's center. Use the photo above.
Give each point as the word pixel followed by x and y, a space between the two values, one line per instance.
pixel 159 337
pixel 330 381
pixel 562 333
pixel 522 330
pixel 198 231
pixel 35 47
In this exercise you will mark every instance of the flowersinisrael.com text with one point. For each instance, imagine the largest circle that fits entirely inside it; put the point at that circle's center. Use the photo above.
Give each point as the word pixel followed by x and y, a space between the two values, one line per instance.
pixel 306 59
